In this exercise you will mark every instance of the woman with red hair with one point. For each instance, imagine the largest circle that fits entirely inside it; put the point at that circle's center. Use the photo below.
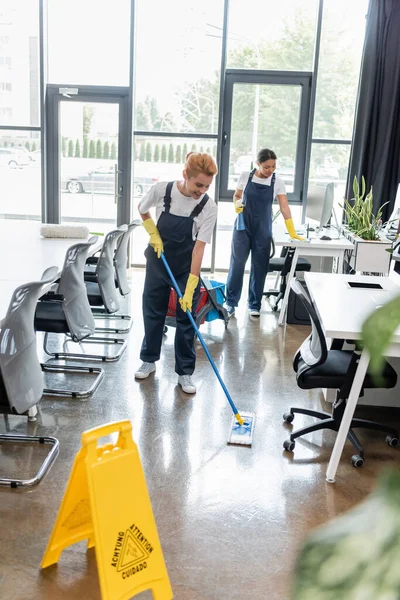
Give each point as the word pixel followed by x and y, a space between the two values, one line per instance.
pixel 185 217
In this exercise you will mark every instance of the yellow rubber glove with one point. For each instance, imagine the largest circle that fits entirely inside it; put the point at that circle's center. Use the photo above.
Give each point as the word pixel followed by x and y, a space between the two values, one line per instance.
pixel 187 300
pixel 238 204
pixel 155 238
pixel 292 231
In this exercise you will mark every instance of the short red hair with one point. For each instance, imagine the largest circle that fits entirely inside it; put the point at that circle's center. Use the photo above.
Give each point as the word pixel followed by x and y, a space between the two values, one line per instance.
pixel 200 162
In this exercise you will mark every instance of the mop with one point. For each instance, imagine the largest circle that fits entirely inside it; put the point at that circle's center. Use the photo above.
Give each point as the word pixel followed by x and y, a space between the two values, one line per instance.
pixel 242 423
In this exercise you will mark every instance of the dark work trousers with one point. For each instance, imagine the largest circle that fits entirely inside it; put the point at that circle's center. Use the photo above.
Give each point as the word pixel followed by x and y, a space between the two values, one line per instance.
pixel 255 238
pixel 177 235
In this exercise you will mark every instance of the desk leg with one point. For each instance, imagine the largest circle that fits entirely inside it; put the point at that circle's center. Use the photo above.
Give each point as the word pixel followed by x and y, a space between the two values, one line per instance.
pixel 340 262
pixel 347 417
pixel 287 292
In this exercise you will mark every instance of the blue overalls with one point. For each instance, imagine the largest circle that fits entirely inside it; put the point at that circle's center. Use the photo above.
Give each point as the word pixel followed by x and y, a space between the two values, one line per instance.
pixel 257 235
pixel 177 236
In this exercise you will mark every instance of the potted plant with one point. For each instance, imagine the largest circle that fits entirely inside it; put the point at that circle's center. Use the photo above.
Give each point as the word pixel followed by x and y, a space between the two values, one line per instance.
pixel 364 229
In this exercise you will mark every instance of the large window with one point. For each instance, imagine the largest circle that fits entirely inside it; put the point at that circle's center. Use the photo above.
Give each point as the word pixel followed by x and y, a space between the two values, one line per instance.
pixel 275 35
pixel 267 109
pixel 19 63
pixel 20 174
pixel 342 37
pixel 89 42
pixel 178 58
pixel 20 165
pixel 176 83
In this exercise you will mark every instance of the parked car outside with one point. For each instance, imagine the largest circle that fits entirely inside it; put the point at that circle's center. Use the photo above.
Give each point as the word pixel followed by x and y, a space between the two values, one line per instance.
pixel 14 157
pixel 286 173
pixel 101 180
pixel 327 172
pixel 36 155
pixel 244 163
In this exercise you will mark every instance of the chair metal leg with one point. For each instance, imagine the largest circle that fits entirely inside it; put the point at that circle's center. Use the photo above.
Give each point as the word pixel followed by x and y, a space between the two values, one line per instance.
pixel 73 369
pixel 113 329
pixel 365 424
pixel 325 424
pixel 103 314
pixel 311 413
pixel 356 442
pixel 44 467
pixel 83 356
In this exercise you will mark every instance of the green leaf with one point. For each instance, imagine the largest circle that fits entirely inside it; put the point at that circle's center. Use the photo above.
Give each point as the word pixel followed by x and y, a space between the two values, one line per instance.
pixel 355 187
pixel 378 330
pixel 362 187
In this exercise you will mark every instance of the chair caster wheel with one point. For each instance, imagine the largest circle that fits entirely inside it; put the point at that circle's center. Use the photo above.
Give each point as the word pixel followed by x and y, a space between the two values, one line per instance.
pixel 392 441
pixel 274 308
pixel 357 461
pixel 289 445
pixel 288 417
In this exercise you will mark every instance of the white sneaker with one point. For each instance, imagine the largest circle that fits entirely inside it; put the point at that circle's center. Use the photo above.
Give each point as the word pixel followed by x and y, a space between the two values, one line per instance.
pixel 254 312
pixel 230 310
pixel 144 370
pixel 186 383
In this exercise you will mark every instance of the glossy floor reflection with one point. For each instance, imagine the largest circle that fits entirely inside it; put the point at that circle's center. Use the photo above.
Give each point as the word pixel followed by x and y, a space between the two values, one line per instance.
pixel 230 519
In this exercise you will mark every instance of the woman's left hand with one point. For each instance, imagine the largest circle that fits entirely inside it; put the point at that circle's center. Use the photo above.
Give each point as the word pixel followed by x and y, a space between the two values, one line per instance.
pixel 297 237
pixel 187 300
pixel 292 231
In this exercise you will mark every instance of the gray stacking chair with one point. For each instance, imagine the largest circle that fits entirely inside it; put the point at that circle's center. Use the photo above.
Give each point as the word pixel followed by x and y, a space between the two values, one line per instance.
pixel 67 311
pixel 21 377
pixel 100 286
pixel 120 279
pixel 121 258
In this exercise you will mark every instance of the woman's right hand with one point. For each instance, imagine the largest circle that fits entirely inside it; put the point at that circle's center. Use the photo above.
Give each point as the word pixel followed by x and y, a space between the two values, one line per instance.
pixel 238 204
pixel 155 238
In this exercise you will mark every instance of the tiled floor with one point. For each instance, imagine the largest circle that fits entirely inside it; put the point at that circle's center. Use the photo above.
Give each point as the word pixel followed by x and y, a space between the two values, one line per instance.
pixel 230 519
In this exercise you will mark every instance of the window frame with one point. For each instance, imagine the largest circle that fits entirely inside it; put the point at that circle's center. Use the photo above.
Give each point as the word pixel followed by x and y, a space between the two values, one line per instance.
pixel 293 78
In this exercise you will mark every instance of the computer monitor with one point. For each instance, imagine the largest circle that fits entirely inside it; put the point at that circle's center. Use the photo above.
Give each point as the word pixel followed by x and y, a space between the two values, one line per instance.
pixel 396 258
pixel 320 203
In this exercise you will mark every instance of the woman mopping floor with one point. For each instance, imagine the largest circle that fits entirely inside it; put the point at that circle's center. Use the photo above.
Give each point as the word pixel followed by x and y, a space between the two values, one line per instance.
pixel 185 217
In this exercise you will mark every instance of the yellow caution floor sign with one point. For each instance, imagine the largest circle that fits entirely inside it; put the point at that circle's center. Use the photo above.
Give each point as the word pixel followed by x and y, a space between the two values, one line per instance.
pixel 107 503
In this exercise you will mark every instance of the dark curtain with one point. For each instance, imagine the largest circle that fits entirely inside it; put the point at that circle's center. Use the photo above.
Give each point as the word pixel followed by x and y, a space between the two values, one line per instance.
pixel 376 139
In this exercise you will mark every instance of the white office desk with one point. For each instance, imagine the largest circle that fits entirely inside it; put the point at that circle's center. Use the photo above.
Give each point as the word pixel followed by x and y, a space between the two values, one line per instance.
pixel 342 312
pixel 334 248
pixel 24 255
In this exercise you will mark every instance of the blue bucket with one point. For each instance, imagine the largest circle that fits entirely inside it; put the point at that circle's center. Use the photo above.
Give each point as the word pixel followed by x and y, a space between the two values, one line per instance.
pixel 220 294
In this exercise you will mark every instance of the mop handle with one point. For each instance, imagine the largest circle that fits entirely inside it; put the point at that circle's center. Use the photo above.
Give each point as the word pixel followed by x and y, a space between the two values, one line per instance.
pixel 189 314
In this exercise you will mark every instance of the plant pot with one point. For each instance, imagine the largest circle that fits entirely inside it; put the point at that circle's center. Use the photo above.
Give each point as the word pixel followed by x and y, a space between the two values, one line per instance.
pixel 368 256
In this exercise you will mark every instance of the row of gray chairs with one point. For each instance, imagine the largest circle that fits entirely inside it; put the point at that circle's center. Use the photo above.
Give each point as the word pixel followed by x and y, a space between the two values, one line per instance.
pixel 65 309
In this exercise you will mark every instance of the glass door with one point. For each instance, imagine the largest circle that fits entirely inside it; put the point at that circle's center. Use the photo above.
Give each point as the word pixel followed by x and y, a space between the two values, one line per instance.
pixel 88 153
pixel 262 109
pixel 89 173
pixel 265 109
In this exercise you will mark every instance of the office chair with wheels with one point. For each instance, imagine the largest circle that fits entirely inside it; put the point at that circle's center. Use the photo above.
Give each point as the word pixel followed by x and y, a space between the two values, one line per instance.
pixel 282 265
pixel 21 377
pixel 318 367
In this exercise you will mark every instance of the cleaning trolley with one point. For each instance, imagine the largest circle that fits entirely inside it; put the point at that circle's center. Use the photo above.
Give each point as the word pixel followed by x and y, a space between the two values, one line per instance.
pixel 209 307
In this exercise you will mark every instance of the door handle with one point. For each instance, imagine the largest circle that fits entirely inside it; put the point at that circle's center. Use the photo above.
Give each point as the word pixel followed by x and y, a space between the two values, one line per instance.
pixel 117 188
pixel 224 138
